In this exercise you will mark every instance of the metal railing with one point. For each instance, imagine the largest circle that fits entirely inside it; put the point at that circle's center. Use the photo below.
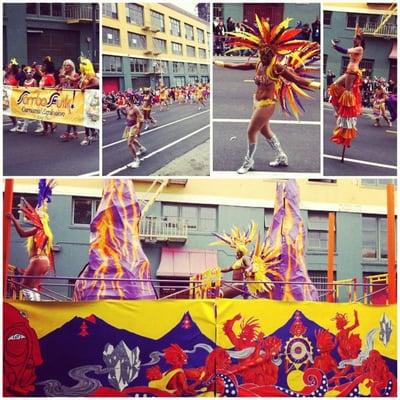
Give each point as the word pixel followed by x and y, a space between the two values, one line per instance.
pixel 161 229
pixel 60 288
pixel 80 12
pixel 387 30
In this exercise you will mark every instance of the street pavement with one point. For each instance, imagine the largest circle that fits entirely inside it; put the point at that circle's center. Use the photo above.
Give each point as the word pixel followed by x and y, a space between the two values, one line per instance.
pixel 233 105
pixel 372 152
pixel 178 131
pixel 31 154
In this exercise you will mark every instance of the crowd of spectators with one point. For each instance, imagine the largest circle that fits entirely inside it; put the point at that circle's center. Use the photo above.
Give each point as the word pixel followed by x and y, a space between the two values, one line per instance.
pixel 221 30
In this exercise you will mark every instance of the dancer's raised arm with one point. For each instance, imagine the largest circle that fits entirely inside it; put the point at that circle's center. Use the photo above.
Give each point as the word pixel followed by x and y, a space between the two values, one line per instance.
pixel 242 66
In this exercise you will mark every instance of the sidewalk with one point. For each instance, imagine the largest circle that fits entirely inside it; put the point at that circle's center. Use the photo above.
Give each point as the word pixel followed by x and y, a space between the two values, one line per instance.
pixel 195 163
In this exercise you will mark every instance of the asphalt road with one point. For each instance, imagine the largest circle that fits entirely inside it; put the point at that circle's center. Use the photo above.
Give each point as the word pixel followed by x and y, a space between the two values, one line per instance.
pixel 30 154
pixel 232 109
pixel 372 153
pixel 178 131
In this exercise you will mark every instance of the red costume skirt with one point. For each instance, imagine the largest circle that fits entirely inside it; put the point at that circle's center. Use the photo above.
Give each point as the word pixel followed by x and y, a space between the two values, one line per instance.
pixel 348 107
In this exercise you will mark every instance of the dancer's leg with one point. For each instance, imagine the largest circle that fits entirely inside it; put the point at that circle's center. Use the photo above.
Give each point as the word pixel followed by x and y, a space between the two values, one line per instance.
pixel 281 159
pixel 257 121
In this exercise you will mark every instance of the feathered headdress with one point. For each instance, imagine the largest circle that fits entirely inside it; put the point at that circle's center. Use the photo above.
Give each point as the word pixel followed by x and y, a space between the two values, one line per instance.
pixel 280 40
pixel 237 240
pixel 45 191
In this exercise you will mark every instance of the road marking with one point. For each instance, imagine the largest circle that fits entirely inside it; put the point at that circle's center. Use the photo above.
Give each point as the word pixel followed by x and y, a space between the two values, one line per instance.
pixel 158 127
pixel 373 164
pixel 94 173
pixel 388 131
pixel 161 149
pixel 275 121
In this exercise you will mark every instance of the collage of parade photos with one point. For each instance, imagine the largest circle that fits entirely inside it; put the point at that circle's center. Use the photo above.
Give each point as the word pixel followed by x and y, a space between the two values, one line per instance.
pixel 199 198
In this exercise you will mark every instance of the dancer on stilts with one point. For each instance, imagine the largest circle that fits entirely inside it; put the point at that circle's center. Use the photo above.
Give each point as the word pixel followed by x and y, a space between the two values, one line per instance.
pixel 345 94
pixel 282 73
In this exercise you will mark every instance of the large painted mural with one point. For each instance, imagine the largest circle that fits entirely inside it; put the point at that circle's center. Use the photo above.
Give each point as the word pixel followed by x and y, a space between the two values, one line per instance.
pixel 224 347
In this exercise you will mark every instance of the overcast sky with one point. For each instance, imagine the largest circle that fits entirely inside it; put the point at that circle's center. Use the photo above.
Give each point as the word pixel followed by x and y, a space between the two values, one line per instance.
pixel 188 5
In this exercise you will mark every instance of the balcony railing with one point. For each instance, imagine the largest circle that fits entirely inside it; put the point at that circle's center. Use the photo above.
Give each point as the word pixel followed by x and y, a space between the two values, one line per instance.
pixel 163 229
pixel 80 12
pixel 387 30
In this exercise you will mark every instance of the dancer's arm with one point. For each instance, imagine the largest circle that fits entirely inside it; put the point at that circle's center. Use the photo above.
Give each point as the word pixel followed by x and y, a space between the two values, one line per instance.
pixel 24 233
pixel 292 77
pixel 243 66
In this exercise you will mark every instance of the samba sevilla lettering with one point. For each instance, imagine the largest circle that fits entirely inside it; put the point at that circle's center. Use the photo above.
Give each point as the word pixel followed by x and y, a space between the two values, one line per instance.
pixel 60 106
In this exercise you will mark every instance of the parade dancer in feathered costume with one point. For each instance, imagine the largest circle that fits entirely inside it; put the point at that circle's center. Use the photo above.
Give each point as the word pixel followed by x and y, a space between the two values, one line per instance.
pixel 345 94
pixel 282 74
pixel 255 267
pixel 40 239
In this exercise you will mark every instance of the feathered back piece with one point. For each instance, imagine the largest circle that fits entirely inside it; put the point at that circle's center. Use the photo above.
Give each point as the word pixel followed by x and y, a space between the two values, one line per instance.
pixel 237 240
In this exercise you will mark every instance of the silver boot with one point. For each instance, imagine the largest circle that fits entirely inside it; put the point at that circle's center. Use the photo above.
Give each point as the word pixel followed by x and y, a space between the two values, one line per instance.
pixel 248 165
pixel 281 159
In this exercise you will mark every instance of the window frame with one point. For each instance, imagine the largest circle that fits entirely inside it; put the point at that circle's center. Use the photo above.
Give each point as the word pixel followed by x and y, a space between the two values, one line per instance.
pixel 119 58
pixel 175 23
pixel 141 39
pixel 378 239
pixel 95 201
pixel 108 11
pixel 199 227
pixel 156 16
pixel 135 11
pixel 175 45
pixel 105 32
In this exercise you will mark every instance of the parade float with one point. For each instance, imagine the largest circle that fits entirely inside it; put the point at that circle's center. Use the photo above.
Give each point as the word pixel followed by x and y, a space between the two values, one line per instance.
pixel 118 339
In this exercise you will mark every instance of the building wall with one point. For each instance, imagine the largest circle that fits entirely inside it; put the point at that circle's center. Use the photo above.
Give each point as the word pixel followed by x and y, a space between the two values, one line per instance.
pixel 16 37
pixel 348 197
pixel 377 49
pixel 306 13
pixel 149 53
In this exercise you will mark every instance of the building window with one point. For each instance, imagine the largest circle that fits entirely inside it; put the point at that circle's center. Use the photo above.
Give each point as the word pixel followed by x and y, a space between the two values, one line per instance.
pixel 191 51
pixel 202 53
pixel 327 18
pixel 218 10
pixel 318 230
pixel 205 79
pixel 365 64
pixel 374 237
pixel 31 8
pixel 192 79
pixel 189 34
pixel 179 81
pixel 137 41
pixel 83 210
pixel 175 27
pixel 110 10
pixel 160 45
pixel 362 20
pixel 46 9
pixel 157 21
pixel 320 281
pixel 203 69
pixel 378 183
pixel 200 36
pixel 139 65
pixel 325 62
pixel 176 48
pixel 112 64
pixel 268 215
pixel 177 67
pixel 197 218
pixel 110 36
pixel 134 14
pixel 29 197
pixel 192 68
